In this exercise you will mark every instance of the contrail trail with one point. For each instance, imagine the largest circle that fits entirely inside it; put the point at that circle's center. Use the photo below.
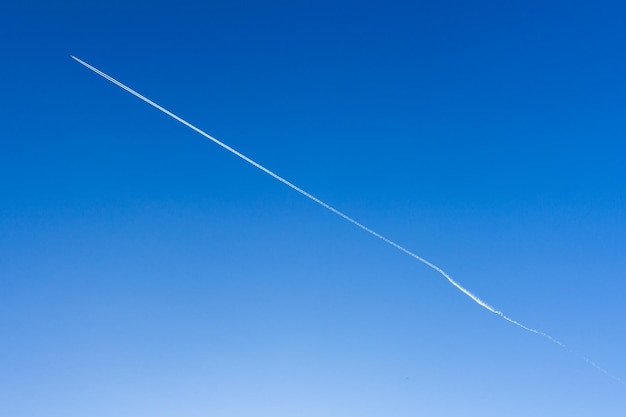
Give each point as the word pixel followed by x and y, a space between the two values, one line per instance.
pixel 458 286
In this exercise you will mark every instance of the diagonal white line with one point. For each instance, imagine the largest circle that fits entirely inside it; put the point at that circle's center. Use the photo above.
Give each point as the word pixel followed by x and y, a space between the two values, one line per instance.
pixel 458 286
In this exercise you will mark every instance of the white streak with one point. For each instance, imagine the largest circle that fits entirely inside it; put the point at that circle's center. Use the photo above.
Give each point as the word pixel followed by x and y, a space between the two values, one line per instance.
pixel 348 218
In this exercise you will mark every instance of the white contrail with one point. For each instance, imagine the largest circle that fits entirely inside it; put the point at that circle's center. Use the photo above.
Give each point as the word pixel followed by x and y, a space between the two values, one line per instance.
pixel 348 218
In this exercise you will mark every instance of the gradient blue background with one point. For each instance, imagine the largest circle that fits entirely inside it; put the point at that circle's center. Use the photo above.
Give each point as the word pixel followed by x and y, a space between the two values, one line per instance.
pixel 146 272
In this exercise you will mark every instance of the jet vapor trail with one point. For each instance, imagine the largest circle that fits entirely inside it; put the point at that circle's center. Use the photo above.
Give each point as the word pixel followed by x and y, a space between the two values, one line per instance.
pixel 458 286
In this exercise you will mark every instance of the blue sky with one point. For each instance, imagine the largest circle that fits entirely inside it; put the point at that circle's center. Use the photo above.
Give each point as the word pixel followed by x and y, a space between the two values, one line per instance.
pixel 145 271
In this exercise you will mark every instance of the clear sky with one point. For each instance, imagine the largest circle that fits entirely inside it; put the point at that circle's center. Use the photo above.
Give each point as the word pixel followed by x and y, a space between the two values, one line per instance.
pixel 145 271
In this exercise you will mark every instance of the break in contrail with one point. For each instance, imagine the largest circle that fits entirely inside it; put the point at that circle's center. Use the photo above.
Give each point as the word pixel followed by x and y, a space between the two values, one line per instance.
pixel 458 286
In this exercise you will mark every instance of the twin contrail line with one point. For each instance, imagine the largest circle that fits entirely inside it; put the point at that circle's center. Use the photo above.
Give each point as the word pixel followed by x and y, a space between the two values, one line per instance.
pixel 458 286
